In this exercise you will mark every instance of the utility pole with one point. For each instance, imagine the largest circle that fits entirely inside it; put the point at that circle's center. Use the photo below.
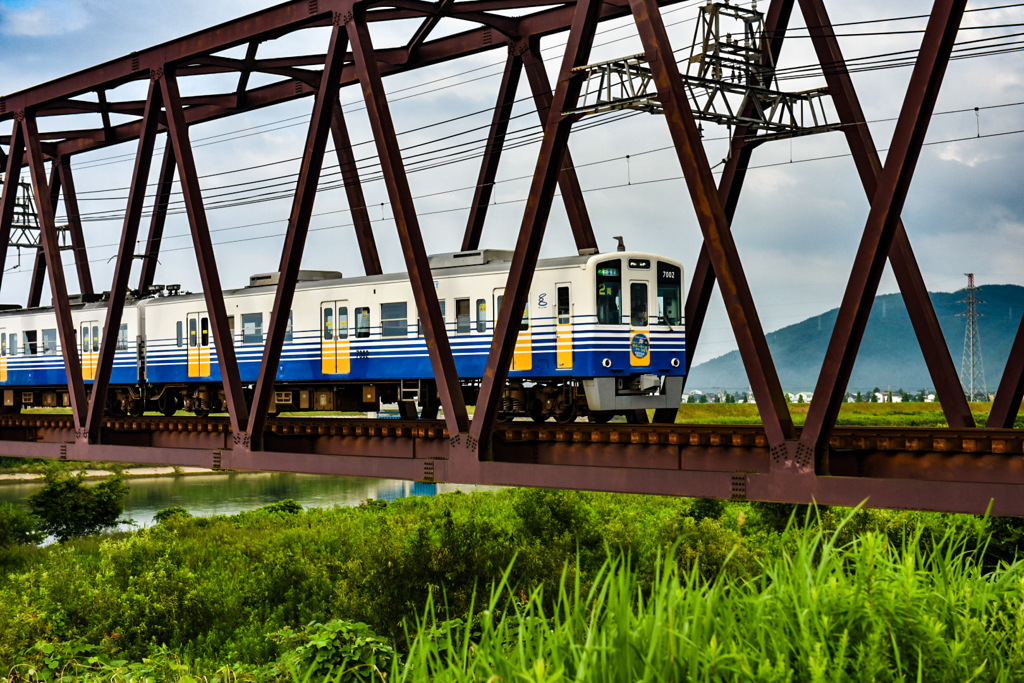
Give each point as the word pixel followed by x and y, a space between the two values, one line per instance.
pixel 972 368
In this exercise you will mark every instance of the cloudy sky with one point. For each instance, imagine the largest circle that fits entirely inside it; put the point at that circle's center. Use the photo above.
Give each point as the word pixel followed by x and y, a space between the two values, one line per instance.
pixel 799 220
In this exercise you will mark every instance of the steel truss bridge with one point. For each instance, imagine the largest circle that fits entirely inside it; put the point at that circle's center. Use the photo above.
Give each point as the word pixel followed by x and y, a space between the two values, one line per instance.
pixel 959 468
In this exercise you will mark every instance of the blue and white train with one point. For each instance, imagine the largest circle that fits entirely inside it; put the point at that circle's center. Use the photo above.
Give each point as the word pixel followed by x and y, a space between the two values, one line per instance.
pixel 602 334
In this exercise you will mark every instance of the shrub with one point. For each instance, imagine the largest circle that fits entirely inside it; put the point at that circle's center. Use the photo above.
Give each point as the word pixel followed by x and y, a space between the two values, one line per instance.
pixel 338 650
pixel 69 509
pixel 287 506
pixel 171 512
pixel 17 527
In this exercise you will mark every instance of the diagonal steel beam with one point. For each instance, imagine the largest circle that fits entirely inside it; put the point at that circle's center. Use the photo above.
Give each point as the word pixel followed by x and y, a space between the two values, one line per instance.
pixel 531 233
pixel 123 265
pixel 492 152
pixel 35 289
pixel 883 219
pixel 901 255
pixel 1011 387
pixel 58 285
pixel 67 182
pixel 354 192
pixel 407 223
pixel 702 280
pixel 714 224
pixel 298 228
pixel 159 218
pixel 9 198
pixel 568 181
pixel 177 132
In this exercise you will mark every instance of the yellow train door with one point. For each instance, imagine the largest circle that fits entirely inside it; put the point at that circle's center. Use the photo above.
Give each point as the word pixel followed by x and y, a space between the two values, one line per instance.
pixel 89 343
pixel 522 357
pixel 639 325
pixel 3 355
pixel 334 334
pixel 198 344
pixel 563 325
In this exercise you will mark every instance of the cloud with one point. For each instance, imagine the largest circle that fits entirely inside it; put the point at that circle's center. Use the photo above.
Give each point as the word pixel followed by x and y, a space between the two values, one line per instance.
pixel 40 18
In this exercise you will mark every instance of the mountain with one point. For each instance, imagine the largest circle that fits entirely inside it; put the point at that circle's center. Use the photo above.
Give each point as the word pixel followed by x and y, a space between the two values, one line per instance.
pixel 890 356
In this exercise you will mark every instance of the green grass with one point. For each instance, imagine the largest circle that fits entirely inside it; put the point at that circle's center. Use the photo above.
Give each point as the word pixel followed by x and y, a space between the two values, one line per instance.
pixel 856 414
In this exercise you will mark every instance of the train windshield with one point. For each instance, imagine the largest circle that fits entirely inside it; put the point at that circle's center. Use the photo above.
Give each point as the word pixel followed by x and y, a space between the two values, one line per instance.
pixel 670 297
pixel 609 292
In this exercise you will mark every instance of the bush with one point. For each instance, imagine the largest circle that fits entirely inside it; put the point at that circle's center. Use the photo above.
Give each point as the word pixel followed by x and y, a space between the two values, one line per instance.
pixel 287 506
pixel 170 513
pixel 69 509
pixel 338 650
pixel 18 527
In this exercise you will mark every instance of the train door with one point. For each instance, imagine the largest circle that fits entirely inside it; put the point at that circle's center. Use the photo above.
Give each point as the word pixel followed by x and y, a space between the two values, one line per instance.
pixel 3 354
pixel 198 344
pixel 639 324
pixel 563 325
pixel 522 357
pixel 334 332
pixel 89 341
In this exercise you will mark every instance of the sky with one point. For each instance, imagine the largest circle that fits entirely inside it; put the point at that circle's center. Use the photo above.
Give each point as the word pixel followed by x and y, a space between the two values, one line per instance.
pixel 799 220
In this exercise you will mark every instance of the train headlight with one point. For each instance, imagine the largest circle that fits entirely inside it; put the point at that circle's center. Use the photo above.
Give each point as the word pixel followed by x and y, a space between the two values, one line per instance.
pixel 607 363
pixel 675 362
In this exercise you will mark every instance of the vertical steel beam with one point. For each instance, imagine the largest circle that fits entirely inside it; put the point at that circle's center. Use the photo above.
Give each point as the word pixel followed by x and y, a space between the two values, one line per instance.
pixel 58 286
pixel 123 265
pixel 298 228
pixel 538 207
pixel 354 192
pixel 177 132
pixel 568 181
pixel 434 334
pixel 884 217
pixel 901 255
pixel 12 178
pixel 159 217
pixel 67 181
pixel 702 281
pixel 718 240
pixel 1011 387
pixel 492 152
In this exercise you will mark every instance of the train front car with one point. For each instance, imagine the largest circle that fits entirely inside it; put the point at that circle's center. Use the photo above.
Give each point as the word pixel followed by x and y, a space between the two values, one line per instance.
pixel 633 350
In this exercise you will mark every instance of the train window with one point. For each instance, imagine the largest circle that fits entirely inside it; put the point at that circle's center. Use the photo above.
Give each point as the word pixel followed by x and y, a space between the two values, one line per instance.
pixel 95 338
pixel 181 336
pixel 14 344
pixel 252 328
pixel 204 331
pixel 231 326
pixel 328 324
pixel 3 343
pixel 670 296
pixel 362 322
pixel 343 322
pixel 563 306
pixel 394 320
pixel 638 304
pixel 419 323
pixel 85 338
pixel 31 347
pixel 481 315
pixel 192 328
pixel 609 292
pixel 462 316
pixel 288 332
pixel 122 338
pixel 525 324
pixel 49 342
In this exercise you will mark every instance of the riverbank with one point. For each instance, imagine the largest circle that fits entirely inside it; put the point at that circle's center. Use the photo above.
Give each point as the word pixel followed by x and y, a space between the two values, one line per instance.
pixel 131 472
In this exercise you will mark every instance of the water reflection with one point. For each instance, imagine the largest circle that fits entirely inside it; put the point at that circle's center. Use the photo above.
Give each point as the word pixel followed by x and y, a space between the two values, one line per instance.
pixel 226 494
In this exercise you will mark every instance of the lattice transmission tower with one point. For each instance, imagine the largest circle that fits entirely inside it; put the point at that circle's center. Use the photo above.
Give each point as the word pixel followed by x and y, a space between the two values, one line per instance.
pixel 25 232
pixel 972 367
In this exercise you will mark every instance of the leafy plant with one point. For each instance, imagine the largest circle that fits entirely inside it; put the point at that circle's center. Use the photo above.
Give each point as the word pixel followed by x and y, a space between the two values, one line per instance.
pixel 69 509
pixel 343 650
pixel 170 513
pixel 17 526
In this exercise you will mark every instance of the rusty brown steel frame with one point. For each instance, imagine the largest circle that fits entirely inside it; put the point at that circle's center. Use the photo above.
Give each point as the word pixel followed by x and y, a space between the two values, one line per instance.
pixel 776 462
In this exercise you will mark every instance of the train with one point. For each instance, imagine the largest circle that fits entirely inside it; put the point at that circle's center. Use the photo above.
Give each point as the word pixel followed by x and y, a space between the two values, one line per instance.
pixel 602 334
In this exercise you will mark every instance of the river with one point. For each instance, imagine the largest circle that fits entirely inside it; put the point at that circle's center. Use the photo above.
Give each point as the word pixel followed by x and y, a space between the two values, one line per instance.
pixel 229 493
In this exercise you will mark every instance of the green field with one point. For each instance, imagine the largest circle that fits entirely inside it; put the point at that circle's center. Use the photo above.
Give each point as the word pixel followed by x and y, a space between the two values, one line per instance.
pixel 866 414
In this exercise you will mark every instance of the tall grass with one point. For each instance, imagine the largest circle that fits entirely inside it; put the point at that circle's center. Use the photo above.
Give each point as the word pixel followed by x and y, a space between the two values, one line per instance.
pixel 818 611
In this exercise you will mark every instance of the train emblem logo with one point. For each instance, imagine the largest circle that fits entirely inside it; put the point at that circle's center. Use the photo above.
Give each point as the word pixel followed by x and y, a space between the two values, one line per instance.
pixel 640 346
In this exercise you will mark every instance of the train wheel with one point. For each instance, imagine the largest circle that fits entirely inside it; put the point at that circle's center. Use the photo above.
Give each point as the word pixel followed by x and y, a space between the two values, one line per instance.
pixel 537 412
pixel 136 407
pixel 169 404
pixel 566 416
pixel 201 412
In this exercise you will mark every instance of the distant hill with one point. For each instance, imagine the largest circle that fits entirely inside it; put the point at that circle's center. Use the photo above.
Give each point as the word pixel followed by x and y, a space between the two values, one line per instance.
pixel 890 356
